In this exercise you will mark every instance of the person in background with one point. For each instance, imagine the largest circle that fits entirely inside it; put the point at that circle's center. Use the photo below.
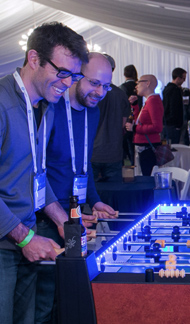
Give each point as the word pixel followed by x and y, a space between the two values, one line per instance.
pixel 173 106
pixel 108 150
pixel 52 63
pixel 147 122
pixel 185 130
pixel 69 163
pixel 128 87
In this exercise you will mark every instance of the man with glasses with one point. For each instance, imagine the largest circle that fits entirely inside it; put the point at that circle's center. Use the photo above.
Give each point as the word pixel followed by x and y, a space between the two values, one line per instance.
pixel 68 160
pixel 52 63
pixel 173 106
pixel 108 149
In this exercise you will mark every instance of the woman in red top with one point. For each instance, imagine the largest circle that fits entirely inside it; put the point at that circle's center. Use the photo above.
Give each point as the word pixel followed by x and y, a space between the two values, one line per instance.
pixel 149 121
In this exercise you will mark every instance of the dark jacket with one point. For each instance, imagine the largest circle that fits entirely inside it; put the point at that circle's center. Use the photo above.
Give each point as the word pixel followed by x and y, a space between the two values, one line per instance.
pixel 129 88
pixel 173 105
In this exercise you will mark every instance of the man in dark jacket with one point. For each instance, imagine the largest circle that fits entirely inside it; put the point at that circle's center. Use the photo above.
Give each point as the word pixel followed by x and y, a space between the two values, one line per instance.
pixel 108 151
pixel 173 106
pixel 131 77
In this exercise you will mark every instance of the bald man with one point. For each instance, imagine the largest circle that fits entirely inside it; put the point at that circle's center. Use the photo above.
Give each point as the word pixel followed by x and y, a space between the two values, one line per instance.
pixel 149 121
pixel 69 170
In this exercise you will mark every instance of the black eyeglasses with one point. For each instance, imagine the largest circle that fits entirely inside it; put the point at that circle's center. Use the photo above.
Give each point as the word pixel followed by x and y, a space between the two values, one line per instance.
pixel 141 81
pixel 63 73
pixel 97 84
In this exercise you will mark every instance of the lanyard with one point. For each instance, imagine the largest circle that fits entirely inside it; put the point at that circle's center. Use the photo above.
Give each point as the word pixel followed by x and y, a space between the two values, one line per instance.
pixel 71 138
pixel 30 117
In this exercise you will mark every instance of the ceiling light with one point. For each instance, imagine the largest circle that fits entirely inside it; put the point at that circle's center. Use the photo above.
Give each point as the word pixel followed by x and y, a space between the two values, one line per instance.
pixel 97 48
pixel 94 47
pixel 23 43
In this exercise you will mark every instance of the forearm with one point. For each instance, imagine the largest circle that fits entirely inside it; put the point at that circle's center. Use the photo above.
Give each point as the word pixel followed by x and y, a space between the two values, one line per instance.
pixel 56 213
pixel 19 233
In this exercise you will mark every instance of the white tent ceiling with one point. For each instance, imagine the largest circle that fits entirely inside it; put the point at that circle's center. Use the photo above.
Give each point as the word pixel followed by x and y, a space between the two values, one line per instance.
pixel 165 22
pixel 162 24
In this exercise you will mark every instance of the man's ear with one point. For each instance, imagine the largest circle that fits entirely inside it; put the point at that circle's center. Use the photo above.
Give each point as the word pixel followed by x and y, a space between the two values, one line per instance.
pixel 33 59
pixel 148 84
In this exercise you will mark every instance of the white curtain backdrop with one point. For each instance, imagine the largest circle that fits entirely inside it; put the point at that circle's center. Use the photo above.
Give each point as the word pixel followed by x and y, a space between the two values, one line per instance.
pixel 127 36
pixel 147 60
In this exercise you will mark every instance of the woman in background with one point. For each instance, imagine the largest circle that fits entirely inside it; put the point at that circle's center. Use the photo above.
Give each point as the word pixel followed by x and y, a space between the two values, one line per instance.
pixel 148 121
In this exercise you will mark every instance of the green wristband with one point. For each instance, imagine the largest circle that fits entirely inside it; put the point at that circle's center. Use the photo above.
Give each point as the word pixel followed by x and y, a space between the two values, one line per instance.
pixel 27 239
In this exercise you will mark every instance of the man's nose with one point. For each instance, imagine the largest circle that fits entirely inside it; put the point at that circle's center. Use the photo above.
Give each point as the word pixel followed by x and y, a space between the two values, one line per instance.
pixel 67 81
pixel 100 91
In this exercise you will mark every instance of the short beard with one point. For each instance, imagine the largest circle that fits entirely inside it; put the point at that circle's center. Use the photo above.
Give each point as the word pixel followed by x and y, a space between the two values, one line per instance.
pixel 81 97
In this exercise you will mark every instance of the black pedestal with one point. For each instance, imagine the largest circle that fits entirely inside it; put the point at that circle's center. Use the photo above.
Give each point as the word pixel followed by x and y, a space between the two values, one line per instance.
pixel 74 292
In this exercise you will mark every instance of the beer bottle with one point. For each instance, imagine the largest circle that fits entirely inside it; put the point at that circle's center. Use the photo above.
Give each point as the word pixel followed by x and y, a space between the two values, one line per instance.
pixel 130 118
pixel 75 219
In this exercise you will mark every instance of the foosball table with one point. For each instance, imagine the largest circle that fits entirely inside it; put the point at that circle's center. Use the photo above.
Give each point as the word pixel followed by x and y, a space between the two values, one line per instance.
pixel 141 275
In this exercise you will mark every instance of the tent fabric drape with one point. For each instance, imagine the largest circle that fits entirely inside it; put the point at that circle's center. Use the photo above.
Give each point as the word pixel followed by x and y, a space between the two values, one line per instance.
pixel 152 35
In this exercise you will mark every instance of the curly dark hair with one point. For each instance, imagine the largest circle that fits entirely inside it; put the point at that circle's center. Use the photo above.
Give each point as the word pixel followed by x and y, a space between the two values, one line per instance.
pixel 49 35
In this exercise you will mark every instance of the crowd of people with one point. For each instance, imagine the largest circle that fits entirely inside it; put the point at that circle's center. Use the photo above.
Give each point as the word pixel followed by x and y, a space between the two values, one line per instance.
pixel 64 126
pixel 157 120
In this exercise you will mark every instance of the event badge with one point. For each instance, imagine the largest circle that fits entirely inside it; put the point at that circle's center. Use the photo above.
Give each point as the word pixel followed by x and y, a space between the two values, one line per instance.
pixel 39 190
pixel 80 187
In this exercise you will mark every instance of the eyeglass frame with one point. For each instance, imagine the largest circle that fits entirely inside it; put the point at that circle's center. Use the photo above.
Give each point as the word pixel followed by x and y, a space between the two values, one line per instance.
pixel 80 75
pixel 98 84
pixel 141 81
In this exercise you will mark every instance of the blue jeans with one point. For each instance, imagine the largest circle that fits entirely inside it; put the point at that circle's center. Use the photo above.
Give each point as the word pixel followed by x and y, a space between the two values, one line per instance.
pixel 46 306
pixel 17 288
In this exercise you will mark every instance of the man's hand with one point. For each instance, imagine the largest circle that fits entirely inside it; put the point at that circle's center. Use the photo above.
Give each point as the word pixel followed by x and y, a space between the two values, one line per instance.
pixel 132 99
pixel 101 210
pixel 129 126
pixel 40 248
pixel 57 214
pixel 88 220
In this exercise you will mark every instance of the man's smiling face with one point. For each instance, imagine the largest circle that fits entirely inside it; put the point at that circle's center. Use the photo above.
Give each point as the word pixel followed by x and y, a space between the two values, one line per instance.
pixel 46 83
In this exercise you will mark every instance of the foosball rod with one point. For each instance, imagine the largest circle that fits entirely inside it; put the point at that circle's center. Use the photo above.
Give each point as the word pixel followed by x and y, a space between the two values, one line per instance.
pixel 169 227
pixel 163 235
pixel 95 234
pixel 165 221
pixel 115 220
pixel 140 264
pixel 129 213
pixel 150 243
pixel 98 220
pixel 136 253
pixel 180 215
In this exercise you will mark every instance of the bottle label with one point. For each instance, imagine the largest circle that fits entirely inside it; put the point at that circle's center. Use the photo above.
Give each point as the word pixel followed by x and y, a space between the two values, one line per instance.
pixel 83 246
pixel 75 212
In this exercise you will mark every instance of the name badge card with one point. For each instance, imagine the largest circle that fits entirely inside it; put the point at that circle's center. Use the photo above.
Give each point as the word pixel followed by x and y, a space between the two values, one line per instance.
pixel 39 191
pixel 80 187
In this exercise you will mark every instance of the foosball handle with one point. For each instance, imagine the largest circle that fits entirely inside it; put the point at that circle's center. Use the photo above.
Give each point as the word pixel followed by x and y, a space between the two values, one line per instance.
pixel 59 251
pixel 92 234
